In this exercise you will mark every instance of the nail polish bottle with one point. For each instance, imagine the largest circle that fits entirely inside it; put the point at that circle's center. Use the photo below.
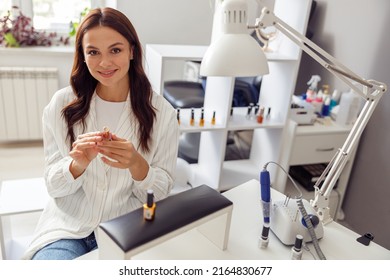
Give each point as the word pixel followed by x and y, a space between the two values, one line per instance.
pixel 192 120
pixel 296 250
pixel 268 113
pixel 178 115
pixel 107 134
pixel 149 206
pixel 249 111
pixel 201 121
pixel 213 119
pixel 260 116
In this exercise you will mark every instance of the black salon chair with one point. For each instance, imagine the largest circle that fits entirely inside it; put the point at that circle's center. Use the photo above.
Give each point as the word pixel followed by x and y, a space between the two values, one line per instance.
pixel 184 94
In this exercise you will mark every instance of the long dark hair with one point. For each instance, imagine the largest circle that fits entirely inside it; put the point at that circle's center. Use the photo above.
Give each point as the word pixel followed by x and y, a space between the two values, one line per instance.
pixel 84 84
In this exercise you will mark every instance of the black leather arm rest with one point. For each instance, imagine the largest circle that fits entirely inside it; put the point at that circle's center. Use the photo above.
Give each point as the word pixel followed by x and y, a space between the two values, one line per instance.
pixel 131 230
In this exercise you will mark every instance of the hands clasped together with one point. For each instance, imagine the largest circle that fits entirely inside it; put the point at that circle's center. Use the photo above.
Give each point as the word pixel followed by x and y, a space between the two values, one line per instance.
pixel 117 152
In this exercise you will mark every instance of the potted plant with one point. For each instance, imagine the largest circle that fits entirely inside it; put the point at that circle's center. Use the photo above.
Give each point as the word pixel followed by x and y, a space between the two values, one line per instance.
pixel 17 31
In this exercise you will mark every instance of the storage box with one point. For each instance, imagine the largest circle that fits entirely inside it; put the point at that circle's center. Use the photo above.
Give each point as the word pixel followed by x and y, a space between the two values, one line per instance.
pixel 302 112
pixel 307 175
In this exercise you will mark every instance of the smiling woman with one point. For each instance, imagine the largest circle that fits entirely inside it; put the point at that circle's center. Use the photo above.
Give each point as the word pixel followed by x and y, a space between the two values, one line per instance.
pixel 89 178
pixel 108 55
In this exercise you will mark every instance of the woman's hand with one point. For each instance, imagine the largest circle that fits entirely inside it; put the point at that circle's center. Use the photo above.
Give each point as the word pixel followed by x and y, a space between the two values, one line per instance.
pixel 121 153
pixel 84 150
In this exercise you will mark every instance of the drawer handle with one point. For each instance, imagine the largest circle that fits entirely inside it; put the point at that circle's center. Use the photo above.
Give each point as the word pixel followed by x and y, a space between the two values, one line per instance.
pixel 325 149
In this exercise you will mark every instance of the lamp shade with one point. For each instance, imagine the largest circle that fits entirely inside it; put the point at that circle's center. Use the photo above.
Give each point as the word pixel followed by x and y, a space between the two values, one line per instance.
pixel 234 53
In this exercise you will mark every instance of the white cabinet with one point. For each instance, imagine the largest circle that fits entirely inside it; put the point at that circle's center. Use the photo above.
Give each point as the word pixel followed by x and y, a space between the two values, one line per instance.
pixel 312 144
pixel 276 90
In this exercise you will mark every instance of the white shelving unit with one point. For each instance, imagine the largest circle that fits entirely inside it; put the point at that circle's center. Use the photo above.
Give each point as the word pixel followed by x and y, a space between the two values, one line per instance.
pixel 276 90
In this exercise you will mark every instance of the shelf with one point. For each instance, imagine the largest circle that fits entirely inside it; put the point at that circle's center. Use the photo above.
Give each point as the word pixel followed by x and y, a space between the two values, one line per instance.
pixel 276 90
pixel 185 117
pixel 196 52
pixel 178 52
pixel 238 121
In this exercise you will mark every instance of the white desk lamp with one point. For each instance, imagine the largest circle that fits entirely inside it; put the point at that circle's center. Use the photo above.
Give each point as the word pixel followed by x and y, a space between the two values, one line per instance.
pixel 235 53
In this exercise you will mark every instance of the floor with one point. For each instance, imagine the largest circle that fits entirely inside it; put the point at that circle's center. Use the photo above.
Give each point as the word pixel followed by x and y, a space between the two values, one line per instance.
pixel 21 160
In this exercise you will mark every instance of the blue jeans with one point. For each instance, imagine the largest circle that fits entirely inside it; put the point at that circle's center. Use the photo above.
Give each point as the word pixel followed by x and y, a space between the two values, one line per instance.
pixel 66 249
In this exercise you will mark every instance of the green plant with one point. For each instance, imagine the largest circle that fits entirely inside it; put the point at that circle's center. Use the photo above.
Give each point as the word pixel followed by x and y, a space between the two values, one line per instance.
pixel 75 25
pixel 17 31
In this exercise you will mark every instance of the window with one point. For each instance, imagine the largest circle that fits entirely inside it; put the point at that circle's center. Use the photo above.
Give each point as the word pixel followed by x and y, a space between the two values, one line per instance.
pixel 53 15
pixel 56 15
pixel 4 7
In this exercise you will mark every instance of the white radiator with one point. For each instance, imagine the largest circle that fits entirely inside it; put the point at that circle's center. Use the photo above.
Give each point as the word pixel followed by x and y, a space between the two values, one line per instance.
pixel 24 92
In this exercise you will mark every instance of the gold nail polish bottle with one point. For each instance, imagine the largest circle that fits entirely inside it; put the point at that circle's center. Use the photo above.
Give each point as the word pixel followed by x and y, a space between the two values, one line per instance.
pixel 149 206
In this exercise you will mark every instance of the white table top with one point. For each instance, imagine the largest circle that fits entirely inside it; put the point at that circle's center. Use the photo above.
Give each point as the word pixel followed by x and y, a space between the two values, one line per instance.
pixel 338 243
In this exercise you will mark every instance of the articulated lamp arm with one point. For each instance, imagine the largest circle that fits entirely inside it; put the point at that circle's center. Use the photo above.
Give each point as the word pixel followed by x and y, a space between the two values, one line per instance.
pixel 370 90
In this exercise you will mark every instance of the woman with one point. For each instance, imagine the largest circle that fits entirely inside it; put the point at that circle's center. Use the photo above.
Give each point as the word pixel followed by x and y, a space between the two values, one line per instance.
pixel 94 175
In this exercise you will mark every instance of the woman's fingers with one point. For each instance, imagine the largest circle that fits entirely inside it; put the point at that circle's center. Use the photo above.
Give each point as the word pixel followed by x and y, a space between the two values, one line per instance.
pixel 86 139
pixel 90 134
pixel 83 145
pixel 120 153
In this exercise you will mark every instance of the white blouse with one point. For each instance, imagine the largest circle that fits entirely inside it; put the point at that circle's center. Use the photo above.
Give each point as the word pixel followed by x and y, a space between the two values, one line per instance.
pixel 108 113
pixel 77 206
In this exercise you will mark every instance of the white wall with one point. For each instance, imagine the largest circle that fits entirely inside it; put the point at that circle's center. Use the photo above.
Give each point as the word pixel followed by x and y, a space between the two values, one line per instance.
pixel 170 21
pixel 186 22
pixel 356 33
pixel 353 31
pixel 62 58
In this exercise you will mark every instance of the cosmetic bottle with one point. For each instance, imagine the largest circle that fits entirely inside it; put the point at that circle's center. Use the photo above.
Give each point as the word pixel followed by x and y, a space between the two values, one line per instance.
pixel 213 119
pixel 249 111
pixel 311 93
pixel 296 250
pixel 201 121
pixel 192 120
pixel 348 109
pixel 268 113
pixel 107 134
pixel 149 206
pixel 260 115
pixel 325 101
pixel 257 106
pixel 334 100
pixel 178 115
pixel 325 111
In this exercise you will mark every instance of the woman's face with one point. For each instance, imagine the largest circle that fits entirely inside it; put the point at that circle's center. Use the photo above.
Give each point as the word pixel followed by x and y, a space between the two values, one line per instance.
pixel 107 55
